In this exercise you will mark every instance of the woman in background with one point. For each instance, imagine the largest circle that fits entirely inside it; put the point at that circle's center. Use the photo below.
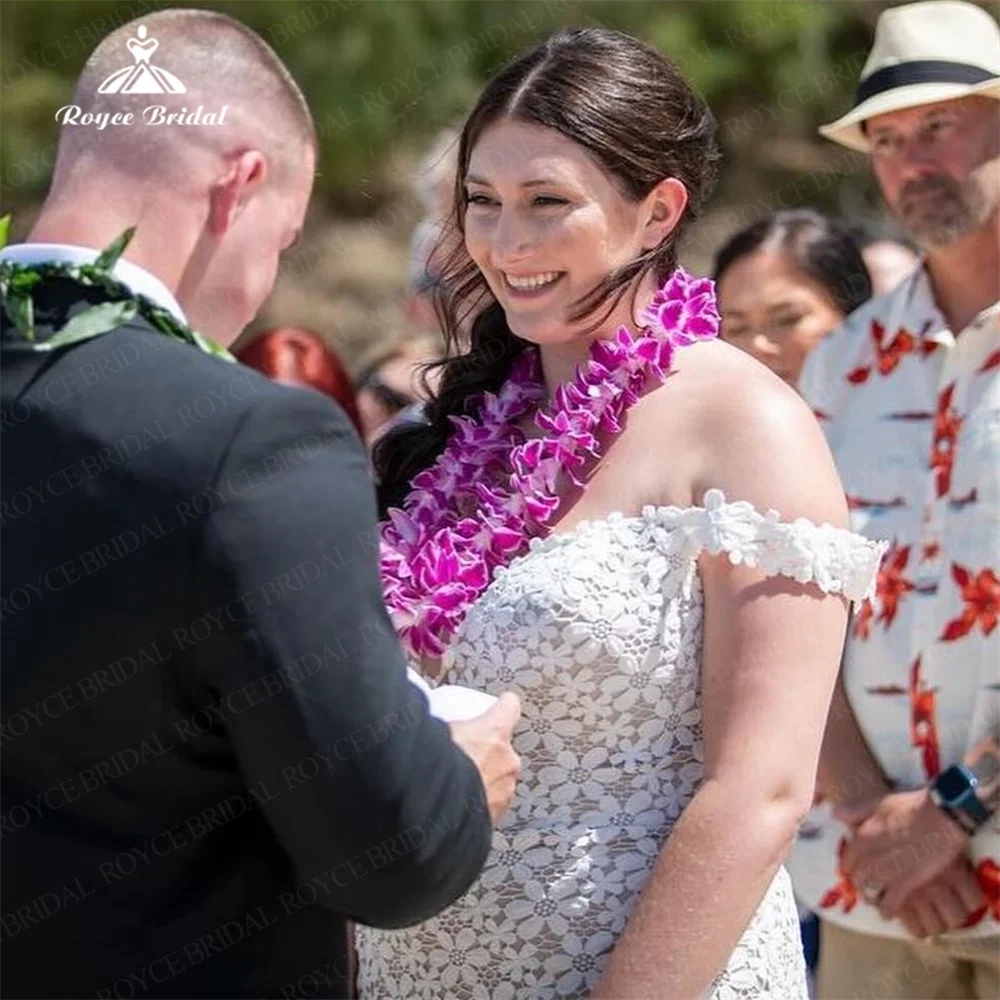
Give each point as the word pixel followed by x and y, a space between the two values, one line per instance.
pixel 786 282
pixel 295 356
pixel 391 387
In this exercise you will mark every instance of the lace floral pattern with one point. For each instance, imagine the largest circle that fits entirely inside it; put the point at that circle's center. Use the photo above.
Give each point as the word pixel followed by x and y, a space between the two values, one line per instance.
pixel 600 632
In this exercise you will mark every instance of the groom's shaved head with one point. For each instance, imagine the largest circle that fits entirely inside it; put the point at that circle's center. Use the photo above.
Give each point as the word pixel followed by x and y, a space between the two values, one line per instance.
pixel 220 62
pixel 214 202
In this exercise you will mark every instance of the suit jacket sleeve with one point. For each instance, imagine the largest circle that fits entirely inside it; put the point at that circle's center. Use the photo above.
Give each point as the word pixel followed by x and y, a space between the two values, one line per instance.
pixel 373 802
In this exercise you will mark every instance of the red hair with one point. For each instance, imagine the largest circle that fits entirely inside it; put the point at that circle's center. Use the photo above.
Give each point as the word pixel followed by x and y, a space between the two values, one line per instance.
pixel 295 356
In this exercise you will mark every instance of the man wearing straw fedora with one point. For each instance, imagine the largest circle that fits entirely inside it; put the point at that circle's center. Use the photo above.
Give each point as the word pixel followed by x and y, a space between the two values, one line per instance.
pixel 902 858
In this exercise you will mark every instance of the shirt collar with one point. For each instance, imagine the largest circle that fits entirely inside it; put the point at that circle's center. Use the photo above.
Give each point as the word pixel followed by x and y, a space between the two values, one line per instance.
pixel 136 278
pixel 919 306
pixel 919 299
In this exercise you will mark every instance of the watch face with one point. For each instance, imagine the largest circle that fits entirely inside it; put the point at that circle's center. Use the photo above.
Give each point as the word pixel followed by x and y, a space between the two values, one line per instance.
pixel 952 784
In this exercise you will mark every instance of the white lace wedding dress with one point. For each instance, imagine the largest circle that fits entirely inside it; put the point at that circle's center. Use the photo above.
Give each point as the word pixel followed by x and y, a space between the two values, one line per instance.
pixel 600 632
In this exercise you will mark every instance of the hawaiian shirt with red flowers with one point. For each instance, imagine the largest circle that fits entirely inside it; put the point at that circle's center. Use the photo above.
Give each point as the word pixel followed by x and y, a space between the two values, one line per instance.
pixel 912 415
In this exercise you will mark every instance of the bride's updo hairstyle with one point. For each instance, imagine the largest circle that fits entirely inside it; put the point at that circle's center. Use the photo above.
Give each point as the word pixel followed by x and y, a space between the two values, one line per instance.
pixel 634 113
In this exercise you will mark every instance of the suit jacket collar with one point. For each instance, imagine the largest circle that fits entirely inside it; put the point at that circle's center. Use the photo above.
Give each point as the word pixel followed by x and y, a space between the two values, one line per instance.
pixel 138 279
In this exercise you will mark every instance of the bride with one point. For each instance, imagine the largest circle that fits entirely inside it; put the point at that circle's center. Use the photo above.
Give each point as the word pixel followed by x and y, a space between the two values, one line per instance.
pixel 589 517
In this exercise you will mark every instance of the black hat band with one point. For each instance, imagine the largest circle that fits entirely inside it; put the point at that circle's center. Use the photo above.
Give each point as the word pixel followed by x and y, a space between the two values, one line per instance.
pixel 920 71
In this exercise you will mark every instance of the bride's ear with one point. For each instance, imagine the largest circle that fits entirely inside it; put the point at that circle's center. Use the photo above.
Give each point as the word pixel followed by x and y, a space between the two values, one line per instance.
pixel 661 210
pixel 245 174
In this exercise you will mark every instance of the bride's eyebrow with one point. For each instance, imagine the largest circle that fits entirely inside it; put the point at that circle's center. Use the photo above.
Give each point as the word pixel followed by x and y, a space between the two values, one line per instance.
pixel 535 182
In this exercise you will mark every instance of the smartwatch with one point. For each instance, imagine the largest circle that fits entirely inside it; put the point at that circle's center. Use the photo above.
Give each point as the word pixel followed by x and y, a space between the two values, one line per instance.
pixel 953 791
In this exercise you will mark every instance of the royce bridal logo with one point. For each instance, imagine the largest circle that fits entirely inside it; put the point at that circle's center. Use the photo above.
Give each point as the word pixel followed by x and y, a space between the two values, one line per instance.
pixel 143 77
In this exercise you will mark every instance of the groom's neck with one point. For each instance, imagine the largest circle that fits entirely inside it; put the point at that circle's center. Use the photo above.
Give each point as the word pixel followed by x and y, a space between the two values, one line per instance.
pixel 155 247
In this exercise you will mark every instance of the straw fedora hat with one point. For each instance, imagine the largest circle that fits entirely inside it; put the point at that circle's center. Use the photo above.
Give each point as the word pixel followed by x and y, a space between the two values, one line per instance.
pixel 937 50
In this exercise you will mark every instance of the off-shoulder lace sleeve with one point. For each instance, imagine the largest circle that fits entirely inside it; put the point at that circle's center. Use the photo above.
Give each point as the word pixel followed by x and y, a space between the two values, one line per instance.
pixel 837 560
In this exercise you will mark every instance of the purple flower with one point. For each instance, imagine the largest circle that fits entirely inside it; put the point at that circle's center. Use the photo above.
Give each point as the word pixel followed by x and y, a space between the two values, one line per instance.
pixel 684 310
pixel 492 489
pixel 659 354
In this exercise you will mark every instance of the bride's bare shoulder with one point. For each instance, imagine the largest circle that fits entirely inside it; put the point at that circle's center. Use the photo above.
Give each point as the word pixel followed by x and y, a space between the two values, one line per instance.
pixel 714 384
pixel 744 430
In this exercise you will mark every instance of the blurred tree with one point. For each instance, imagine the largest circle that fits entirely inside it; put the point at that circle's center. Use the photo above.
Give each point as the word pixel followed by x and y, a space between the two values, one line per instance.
pixel 383 75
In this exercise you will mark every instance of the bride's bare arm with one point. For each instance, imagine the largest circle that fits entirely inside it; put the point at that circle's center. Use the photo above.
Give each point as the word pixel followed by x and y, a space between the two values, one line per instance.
pixel 771 653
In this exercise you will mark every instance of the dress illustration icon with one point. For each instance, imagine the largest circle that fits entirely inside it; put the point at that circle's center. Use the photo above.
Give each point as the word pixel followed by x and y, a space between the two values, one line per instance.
pixel 143 77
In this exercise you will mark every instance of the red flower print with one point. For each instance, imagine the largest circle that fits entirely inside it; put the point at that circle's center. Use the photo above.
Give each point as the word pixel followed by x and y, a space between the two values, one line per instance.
pixel 993 361
pixel 863 620
pixel 860 503
pixel 988 877
pixel 923 722
pixel 887 354
pixel 891 584
pixel 910 415
pixel 947 424
pixel 929 551
pixel 958 502
pixel 981 594
pixel 845 893
pixel 892 353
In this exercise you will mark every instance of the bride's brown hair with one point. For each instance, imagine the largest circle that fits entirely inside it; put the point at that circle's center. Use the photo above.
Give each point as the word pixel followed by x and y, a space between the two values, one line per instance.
pixel 628 106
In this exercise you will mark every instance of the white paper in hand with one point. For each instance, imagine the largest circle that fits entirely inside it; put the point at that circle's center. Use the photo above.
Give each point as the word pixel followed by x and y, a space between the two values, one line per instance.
pixel 452 702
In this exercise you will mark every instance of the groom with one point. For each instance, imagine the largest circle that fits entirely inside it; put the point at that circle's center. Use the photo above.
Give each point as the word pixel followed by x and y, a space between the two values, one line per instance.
pixel 211 756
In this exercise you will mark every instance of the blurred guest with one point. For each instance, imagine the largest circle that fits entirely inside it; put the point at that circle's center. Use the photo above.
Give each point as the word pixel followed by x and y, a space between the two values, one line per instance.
pixel 888 262
pixel 889 255
pixel 434 187
pixel 785 282
pixel 390 387
pixel 906 872
pixel 294 356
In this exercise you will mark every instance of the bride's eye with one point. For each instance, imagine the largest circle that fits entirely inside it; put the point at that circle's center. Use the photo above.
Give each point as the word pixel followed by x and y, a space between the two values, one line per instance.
pixel 548 199
pixel 478 199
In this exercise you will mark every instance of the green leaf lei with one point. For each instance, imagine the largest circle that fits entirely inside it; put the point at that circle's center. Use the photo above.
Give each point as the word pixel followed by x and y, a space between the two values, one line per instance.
pixel 17 281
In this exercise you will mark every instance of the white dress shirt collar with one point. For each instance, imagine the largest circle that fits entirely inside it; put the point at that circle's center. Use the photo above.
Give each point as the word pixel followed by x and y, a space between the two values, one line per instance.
pixel 138 279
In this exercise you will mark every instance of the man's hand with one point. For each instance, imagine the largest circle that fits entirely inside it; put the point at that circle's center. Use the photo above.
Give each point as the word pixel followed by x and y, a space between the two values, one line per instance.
pixel 945 903
pixel 486 739
pixel 901 842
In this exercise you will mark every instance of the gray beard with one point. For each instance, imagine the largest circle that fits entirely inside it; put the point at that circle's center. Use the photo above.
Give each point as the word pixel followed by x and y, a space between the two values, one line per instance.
pixel 937 211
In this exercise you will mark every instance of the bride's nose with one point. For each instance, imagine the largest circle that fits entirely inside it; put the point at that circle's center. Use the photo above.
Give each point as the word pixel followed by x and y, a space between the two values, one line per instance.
pixel 513 242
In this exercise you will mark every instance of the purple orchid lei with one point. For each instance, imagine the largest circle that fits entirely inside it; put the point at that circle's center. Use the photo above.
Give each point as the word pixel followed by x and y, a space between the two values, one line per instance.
pixel 492 490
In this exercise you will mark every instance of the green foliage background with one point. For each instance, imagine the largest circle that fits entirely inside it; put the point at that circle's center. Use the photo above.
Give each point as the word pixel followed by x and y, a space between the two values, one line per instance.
pixel 383 75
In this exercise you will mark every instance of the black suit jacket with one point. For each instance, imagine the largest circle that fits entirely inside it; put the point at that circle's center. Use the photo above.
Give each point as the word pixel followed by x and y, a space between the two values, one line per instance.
pixel 210 754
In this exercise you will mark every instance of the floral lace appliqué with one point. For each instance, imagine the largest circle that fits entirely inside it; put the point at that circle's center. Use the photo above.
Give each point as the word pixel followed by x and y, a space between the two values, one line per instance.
pixel 599 630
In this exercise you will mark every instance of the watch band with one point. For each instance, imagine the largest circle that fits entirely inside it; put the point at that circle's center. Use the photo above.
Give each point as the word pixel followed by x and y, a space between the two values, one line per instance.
pixel 961 819
pixel 972 805
pixel 983 760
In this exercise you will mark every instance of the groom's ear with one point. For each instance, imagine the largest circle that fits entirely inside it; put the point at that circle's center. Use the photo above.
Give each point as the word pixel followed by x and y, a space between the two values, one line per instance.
pixel 243 178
